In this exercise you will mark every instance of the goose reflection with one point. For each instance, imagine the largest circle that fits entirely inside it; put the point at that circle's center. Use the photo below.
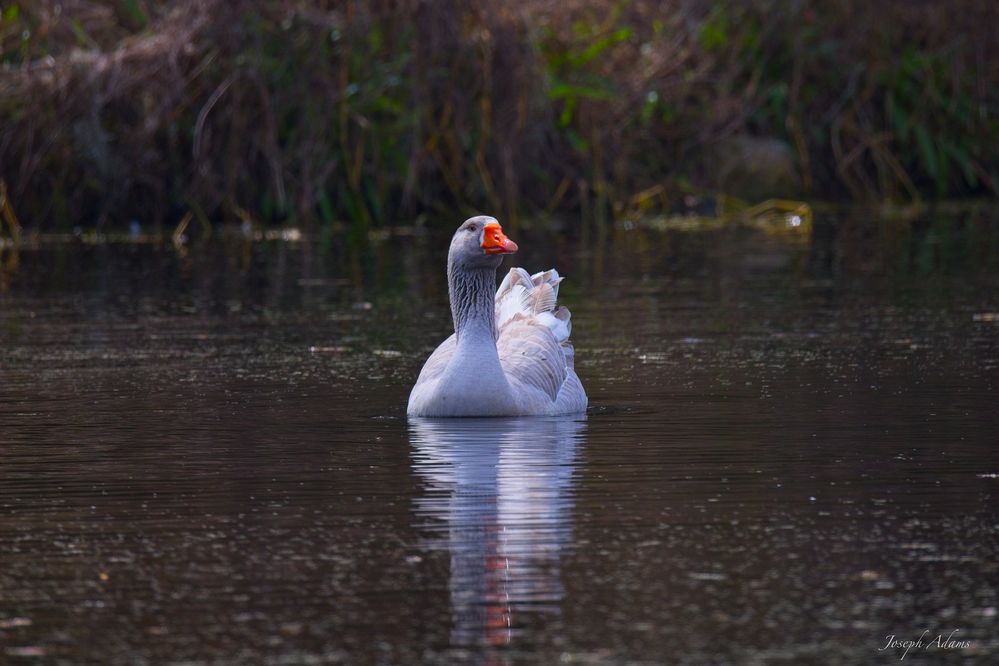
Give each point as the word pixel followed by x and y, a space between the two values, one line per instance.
pixel 499 498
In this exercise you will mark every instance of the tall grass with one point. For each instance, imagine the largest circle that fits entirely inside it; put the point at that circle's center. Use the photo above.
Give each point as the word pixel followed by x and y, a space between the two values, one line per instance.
pixel 378 112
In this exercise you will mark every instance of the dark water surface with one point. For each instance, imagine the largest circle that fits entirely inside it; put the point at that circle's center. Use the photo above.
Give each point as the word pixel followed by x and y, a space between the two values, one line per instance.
pixel 790 455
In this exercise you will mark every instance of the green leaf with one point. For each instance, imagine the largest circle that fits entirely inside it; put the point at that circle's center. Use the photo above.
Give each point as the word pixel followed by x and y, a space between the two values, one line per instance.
pixel 567 112
pixel 389 105
pixel 778 94
pixel 577 142
pixel 964 161
pixel 601 45
pixel 753 39
pixel 374 202
pixel 569 91
pixel 11 12
pixel 82 38
pixel 135 12
pixel 943 169
pixel 651 102
pixel 927 150
pixel 668 114
pixel 326 209
pixel 897 116
pixel 714 32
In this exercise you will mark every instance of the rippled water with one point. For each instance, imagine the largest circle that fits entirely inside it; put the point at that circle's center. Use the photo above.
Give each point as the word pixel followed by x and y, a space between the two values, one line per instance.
pixel 790 456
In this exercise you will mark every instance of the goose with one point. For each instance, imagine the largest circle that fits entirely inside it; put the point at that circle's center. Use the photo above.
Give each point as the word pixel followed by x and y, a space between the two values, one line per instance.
pixel 510 353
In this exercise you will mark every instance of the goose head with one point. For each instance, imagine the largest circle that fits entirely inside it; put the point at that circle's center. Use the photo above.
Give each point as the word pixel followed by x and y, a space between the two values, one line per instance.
pixel 479 243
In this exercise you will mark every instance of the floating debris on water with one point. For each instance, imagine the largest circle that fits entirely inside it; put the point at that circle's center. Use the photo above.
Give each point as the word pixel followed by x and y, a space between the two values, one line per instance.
pixel 26 651
pixel 706 575
pixel 780 217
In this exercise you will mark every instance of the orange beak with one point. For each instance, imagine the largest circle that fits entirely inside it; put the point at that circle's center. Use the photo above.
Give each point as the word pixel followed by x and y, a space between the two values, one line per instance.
pixel 495 242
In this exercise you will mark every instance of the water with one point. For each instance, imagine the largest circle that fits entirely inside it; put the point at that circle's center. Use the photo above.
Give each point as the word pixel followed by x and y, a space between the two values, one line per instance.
pixel 790 456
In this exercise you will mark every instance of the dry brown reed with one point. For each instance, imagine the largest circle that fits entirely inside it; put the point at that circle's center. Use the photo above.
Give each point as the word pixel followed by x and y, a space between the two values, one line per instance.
pixel 377 112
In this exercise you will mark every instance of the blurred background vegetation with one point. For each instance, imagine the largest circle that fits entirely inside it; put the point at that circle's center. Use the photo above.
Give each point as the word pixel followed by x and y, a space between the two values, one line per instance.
pixel 118 112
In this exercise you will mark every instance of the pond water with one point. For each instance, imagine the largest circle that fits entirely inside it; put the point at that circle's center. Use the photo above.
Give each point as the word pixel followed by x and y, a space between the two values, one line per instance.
pixel 790 455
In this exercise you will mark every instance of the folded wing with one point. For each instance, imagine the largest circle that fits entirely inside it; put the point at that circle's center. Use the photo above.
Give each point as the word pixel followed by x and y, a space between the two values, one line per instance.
pixel 533 343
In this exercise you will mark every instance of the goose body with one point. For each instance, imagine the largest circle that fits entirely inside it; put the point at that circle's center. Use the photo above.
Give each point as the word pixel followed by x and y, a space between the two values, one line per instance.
pixel 510 353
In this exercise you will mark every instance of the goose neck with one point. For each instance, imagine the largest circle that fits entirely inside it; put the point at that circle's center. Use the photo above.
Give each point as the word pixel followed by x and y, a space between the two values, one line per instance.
pixel 472 302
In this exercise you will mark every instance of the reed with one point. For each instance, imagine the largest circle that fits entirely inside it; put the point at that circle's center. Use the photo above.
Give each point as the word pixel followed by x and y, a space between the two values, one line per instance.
pixel 377 113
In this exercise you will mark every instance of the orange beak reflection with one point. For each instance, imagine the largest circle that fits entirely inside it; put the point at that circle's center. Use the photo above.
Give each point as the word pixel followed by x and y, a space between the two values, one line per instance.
pixel 495 242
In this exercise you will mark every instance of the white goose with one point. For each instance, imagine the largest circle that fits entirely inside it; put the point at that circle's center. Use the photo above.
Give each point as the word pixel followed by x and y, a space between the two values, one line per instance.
pixel 510 353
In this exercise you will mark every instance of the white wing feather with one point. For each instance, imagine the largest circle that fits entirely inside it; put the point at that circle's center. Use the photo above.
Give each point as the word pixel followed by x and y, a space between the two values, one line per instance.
pixel 533 343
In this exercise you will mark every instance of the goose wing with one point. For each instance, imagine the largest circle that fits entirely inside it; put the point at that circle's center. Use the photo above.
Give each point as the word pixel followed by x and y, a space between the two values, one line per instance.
pixel 436 364
pixel 533 341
